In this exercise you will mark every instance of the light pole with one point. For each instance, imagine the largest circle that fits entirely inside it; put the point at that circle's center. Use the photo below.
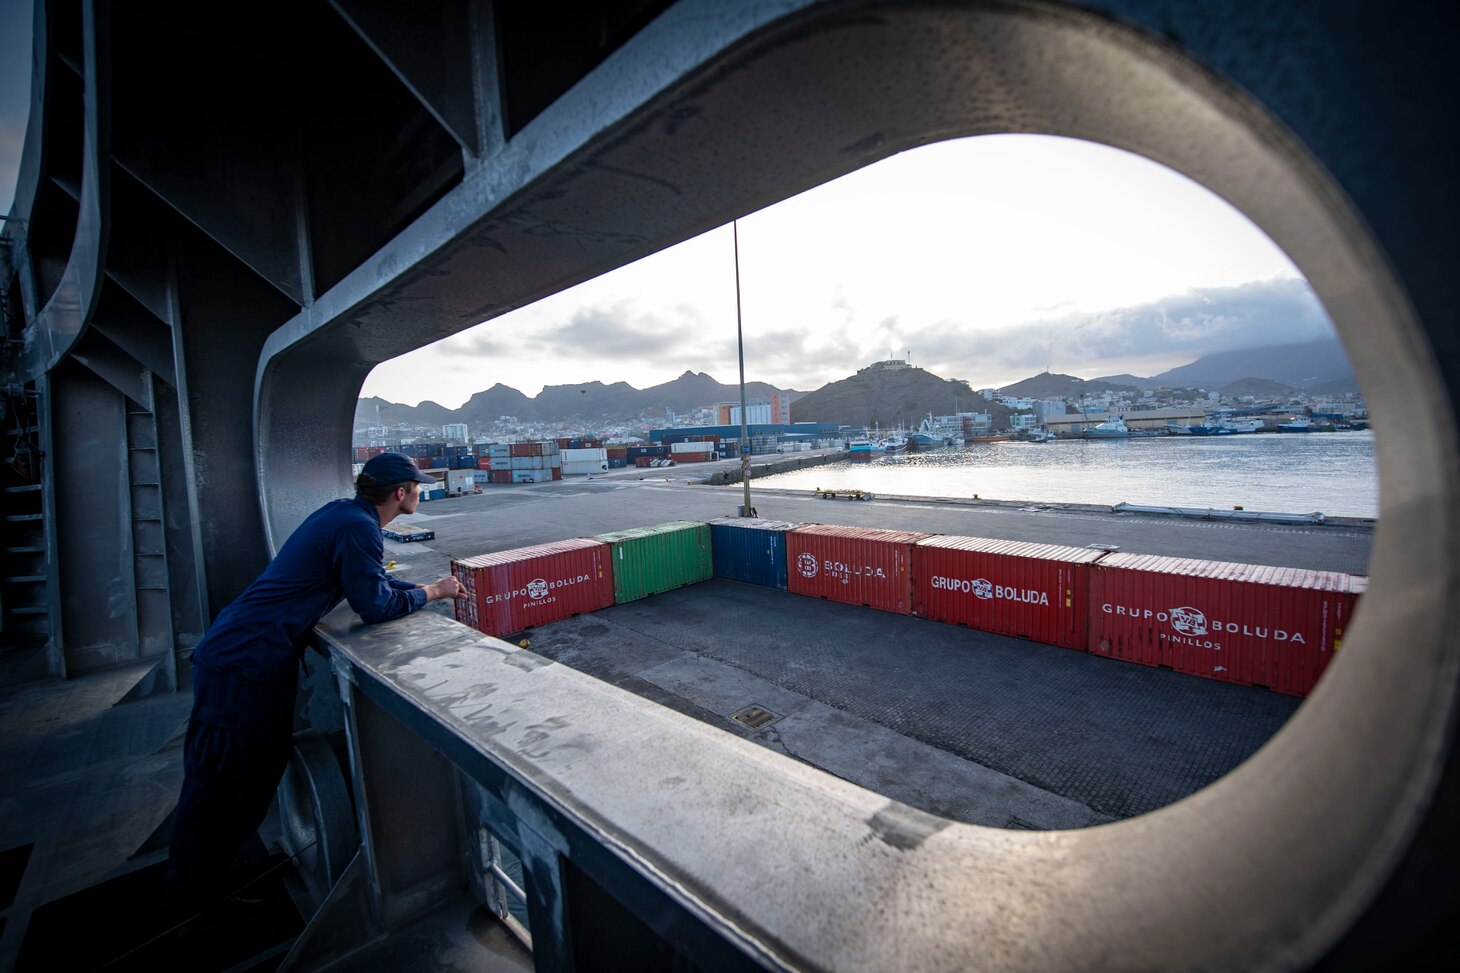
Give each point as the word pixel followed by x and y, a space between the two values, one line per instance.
pixel 746 510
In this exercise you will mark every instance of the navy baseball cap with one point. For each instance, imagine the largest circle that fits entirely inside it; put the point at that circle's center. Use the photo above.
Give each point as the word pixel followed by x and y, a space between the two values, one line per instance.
pixel 387 468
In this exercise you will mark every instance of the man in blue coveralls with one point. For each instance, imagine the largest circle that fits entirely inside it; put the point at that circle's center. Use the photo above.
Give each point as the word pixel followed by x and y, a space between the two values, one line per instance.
pixel 246 667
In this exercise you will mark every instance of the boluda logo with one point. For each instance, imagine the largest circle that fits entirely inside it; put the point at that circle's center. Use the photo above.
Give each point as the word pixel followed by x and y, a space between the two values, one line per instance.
pixel 807 565
pixel 986 590
pixel 1192 623
pixel 844 572
pixel 1189 621
pixel 537 589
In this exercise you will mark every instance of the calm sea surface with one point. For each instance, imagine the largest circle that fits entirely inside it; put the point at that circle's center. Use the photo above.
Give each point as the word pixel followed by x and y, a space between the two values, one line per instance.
pixel 1333 473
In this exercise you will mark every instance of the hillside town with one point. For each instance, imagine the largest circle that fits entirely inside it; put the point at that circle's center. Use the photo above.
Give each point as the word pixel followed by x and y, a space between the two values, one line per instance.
pixel 892 396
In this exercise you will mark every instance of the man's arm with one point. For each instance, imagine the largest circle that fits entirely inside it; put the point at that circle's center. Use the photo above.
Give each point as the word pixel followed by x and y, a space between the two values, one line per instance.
pixel 368 588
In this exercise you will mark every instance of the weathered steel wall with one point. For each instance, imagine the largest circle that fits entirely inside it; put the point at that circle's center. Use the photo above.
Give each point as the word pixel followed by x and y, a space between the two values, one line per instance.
pixel 255 214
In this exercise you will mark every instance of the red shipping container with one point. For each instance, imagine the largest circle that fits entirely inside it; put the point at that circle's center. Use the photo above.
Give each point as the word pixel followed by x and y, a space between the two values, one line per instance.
pixel 643 461
pixel 510 591
pixel 564 443
pixel 1244 623
pixel 857 565
pixel 525 449
pixel 557 472
pixel 1033 591
pixel 484 462
pixel 618 452
pixel 501 476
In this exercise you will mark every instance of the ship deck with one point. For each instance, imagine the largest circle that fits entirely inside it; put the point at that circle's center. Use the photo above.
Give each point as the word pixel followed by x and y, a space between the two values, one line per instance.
pixel 962 724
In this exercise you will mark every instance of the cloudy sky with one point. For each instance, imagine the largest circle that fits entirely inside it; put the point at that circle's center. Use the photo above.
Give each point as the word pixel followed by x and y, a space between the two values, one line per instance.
pixel 986 259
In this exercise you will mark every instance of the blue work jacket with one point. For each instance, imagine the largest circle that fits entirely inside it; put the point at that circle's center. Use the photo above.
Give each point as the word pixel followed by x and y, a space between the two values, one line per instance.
pixel 338 552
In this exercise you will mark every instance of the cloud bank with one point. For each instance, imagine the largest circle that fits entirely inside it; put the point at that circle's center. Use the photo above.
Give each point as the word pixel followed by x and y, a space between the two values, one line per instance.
pixel 1170 331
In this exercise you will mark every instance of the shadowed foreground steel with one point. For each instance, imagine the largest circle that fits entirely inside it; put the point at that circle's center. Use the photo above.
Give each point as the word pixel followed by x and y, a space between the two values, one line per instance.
pixel 221 221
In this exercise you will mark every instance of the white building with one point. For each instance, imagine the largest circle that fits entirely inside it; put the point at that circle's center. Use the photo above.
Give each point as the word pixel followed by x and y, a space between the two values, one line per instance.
pixel 454 431
pixel 757 413
pixel 1049 407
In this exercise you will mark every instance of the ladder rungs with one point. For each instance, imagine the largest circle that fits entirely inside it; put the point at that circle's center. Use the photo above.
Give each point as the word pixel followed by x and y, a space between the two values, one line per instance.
pixel 27 488
pixel 17 518
pixel 23 578
pixel 28 549
pixel 29 610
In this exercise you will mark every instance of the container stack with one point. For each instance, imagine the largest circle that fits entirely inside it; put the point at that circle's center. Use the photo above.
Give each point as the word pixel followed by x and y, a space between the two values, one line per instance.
pixel 750 550
pixel 581 460
pixel 700 452
pixel 856 565
pixel 536 462
pixel 642 455
pixel 1032 591
pixel 649 560
pixel 1242 623
pixel 510 591
pixel 618 457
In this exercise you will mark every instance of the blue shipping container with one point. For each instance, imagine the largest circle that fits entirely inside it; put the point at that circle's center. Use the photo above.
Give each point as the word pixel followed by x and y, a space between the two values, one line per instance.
pixel 750 550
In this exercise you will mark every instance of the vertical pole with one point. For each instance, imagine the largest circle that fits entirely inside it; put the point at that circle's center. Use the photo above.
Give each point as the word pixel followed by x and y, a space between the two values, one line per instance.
pixel 745 510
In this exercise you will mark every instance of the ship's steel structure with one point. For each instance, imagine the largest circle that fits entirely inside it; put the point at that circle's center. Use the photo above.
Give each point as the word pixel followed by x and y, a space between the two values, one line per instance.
pixel 224 217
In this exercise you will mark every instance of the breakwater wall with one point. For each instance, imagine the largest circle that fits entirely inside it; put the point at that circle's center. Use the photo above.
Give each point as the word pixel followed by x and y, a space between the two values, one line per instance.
pixel 780 463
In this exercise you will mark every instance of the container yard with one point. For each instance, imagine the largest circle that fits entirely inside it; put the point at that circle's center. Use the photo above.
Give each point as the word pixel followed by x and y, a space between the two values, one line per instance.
pixel 963 672
pixel 1256 625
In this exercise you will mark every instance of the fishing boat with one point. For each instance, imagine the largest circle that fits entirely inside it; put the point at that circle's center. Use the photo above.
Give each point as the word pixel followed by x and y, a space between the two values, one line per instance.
pixel 861 448
pixel 894 443
pixel 1040 435
pixel 1109 429
pixel 934 434
pixel 1298 424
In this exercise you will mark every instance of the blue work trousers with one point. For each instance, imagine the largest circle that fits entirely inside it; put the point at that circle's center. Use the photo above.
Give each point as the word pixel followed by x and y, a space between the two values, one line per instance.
pixel 238 744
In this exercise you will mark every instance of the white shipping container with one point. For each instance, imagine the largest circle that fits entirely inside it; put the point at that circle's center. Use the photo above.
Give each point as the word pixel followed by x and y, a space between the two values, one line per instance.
pixel 461 481
pixel 599 455
pixel 692 448
pixel 579 467
pixel 531 476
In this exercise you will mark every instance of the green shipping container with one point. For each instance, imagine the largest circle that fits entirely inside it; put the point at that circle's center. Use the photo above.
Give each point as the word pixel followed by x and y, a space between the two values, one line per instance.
pixel 648 560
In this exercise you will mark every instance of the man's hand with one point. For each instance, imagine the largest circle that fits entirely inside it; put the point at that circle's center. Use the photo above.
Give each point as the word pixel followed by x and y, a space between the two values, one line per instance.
pixel 445 588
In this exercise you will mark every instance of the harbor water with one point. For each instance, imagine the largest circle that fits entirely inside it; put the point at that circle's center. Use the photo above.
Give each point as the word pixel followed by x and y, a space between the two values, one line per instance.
pixel 1331 473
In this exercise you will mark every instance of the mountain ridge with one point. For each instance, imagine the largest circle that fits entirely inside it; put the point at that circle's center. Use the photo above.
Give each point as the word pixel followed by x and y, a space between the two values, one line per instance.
pixel 584 401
